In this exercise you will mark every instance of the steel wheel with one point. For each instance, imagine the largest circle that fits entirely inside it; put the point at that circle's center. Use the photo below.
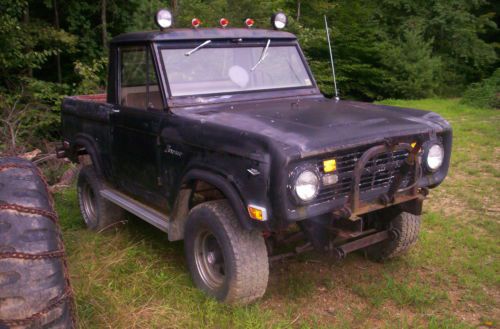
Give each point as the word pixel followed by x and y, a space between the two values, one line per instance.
pixel 209 259
pixel 226 261
pixel 88 200
pixel 98 213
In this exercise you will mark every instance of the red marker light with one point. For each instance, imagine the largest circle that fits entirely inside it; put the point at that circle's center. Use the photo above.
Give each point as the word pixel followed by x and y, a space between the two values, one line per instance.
pixel 224 22
pixel 195 22
pixel 249 22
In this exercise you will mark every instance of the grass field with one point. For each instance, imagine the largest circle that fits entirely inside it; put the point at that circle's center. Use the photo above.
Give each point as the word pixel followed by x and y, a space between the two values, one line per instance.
pixel 135 278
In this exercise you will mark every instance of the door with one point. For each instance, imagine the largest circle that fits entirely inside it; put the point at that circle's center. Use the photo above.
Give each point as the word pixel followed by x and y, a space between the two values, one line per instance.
pixel 136 125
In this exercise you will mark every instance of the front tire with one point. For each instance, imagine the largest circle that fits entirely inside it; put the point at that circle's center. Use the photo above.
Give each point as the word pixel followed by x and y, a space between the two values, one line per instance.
pixel 97 212
pixel 225 261
pixel 406 227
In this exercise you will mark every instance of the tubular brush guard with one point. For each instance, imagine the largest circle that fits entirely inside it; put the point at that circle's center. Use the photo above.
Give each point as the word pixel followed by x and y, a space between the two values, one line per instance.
pixel 355 207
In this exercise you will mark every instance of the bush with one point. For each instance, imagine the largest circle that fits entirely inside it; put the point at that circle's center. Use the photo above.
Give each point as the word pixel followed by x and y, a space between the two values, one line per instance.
pixel 485 93
pixel 29 114
pixel 92 76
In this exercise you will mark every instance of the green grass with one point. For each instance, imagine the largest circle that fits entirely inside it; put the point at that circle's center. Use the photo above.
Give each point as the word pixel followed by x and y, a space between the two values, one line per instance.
pixel 133 277
pixel 406 292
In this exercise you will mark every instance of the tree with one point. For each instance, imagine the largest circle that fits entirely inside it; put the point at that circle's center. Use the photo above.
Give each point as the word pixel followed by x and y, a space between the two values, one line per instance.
pixel 414 72
pixel 357 45
pixel 383 48
pixel 104 26
pixel 454 29
pixel 27 44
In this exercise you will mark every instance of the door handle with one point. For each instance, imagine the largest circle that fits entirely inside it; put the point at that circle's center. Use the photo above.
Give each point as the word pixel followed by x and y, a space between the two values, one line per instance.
pixel 115 110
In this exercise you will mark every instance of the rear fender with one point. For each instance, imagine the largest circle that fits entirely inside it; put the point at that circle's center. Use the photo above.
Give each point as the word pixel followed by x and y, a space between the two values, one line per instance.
pixel 91 148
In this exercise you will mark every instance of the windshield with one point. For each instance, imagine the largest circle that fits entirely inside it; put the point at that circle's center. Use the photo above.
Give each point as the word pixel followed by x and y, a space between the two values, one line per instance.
pixel 233 69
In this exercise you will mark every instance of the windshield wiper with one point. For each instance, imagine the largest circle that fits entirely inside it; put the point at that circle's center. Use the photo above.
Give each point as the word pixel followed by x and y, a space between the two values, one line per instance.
pixel 262 56
pixel 189 53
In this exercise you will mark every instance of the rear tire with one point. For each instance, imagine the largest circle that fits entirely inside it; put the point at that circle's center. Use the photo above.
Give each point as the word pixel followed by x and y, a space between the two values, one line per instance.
pixel 97 212
pixel 34 282
pixel 407 228
pixel 225 261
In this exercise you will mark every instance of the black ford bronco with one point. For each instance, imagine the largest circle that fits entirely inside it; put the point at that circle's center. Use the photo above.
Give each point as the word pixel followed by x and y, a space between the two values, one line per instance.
pixel 220 137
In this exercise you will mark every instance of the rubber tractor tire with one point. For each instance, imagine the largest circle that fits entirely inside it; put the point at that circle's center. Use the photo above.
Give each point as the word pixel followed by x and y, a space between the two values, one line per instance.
pixel 35 291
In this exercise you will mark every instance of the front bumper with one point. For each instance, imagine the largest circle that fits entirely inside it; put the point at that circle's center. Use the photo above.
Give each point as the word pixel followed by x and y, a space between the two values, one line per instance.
pixel 411 167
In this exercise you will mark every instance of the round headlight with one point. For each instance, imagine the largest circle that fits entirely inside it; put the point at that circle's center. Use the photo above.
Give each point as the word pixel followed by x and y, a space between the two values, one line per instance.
pixel 279 21
pixel 307 185
pixel 164 18
pixel 435 157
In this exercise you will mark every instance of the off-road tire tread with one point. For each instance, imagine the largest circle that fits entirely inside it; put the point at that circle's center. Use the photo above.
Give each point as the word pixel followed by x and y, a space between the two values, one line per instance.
pixel 34 293
pixel 408 228
pixel 107 212
pixel 250 254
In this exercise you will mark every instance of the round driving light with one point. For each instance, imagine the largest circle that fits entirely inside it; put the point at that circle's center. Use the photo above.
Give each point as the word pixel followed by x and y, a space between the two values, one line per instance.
pixel 249 22
pixel 164 18
pixel 307 185
pixel 224 22
pixel 435 157
pixel 279 21
pixel 195 22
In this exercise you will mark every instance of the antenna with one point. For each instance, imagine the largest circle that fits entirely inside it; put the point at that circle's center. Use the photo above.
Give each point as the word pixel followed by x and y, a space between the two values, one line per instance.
pixel 331 60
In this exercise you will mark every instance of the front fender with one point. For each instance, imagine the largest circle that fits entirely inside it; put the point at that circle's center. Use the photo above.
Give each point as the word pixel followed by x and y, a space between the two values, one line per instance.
pixel 227 188
pixel 225 185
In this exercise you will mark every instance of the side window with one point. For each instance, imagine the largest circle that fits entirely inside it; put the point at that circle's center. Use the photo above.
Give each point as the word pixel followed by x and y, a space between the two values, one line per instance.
pixel 139 86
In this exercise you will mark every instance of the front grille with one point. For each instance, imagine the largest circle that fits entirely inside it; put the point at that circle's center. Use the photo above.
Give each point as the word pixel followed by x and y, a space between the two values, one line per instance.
pixel 378 174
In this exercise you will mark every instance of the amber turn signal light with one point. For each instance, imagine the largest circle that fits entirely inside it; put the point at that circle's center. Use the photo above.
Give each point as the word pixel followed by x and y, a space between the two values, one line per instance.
pixel 329 165
pixel 257 213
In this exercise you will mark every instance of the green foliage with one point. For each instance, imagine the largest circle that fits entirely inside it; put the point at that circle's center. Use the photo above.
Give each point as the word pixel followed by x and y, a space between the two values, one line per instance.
pixel 413 69
pixel 27 44
pixel 484 94
pixel 92 76
pixel 382 48
pixel 45 100
pixel 454 30
pixel 357 46
pixel 30 114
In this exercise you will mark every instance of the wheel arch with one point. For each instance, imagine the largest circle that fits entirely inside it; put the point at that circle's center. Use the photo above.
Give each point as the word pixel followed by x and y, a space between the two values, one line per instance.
pixel 91 148
pixel 183 203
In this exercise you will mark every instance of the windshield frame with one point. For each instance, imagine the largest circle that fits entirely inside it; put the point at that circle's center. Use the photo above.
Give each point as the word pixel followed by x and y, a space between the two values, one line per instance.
pixel 232 43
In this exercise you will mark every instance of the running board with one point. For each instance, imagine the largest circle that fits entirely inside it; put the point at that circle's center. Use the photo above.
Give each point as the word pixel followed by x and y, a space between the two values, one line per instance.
pixel 146 213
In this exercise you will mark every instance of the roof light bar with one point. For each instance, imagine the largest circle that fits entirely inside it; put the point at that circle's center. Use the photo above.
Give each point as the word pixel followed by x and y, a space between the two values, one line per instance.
pixel 195 22
pixel 164 18
pixel 279 20
pixel 224 22
pixel 249 22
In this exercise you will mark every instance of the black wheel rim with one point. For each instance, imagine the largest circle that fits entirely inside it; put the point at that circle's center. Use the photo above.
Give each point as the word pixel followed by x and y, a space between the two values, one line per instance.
pixel 209 259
